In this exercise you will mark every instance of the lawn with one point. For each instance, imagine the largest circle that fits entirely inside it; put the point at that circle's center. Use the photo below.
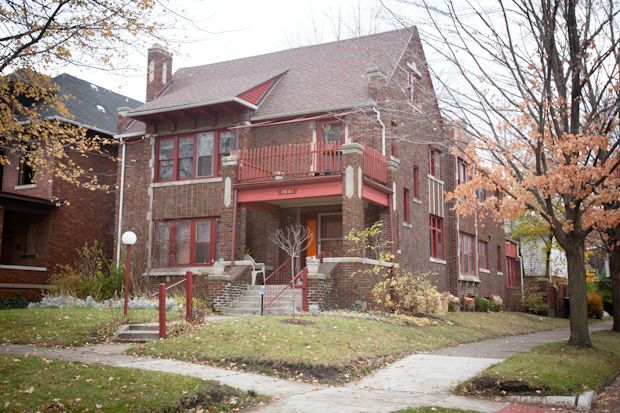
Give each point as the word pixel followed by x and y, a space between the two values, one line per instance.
pixel 330 349
pixel 551 369
pixel 67 327
pixel 37 384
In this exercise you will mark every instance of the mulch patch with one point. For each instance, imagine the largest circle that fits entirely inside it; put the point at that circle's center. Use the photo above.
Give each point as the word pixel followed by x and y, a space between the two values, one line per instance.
pixel 609 399
pixel 296 321
pixel 491 386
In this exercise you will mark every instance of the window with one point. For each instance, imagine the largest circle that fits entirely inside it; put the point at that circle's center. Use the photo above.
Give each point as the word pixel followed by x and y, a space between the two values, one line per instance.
pixel 463 175
pixel 187 242
pixel 434 165
pixel 499 259
pixel 193 156
pixel 481 195
pixel 416 182
pixel 467 254
pixel 511 265
pixel 483 255
pixel 406 205
pixel 412 86
pixel 26 171
pixel 331 132
pixel 436 237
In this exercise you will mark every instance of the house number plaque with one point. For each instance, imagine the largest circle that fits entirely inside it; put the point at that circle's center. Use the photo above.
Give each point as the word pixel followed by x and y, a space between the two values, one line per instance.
pixel 287 191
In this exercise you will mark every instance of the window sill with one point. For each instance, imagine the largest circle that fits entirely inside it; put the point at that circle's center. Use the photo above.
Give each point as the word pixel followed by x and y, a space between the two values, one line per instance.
pixel 434 178
pixel 29 186
pixel 469 277
pixel 22 268
pixel 417 201
pixel 407 225
pixel 484 270
pixel 500 273
pixel 187 182
pixel 437 260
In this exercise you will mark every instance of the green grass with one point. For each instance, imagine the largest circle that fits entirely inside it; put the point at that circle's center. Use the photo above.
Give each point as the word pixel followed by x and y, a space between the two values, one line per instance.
pixel 556 368
pixel 33 383
pixel 66 327
pixel 430 409
pixel 333 349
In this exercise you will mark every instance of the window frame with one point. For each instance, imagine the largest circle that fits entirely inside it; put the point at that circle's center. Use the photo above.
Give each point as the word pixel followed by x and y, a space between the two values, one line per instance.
pixel 483 255
pixel 406 214
pixel 499 258
pixel 26 173
pixel 434 163
pixel 436 237
pixel 467 254
pixel 176 159
pixel 413 80
pixel 172 241
pixel 416 182
pixel 462 172
pixel 320 124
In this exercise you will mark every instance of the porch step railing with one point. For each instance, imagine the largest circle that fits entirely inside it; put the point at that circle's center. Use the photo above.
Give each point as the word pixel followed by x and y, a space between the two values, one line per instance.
pixel 289 161
pixel 274 291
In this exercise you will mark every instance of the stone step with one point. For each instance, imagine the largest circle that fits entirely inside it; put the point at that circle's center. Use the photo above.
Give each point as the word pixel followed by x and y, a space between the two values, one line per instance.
pixel 136 333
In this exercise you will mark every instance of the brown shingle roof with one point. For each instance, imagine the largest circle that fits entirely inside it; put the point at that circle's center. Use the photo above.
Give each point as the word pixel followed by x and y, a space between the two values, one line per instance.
pixel 319 77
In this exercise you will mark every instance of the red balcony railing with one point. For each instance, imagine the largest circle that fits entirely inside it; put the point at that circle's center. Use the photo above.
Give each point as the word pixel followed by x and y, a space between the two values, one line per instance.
pixel 303 160
pixel 289 161
pixel 375 165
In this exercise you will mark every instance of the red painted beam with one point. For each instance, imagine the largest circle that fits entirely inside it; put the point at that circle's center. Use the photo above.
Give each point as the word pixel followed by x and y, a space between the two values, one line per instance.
pixel 261 206
pixel 290 190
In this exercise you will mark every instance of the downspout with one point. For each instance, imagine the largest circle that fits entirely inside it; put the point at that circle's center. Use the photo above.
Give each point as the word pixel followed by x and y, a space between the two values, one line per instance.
pixel 234 231
pixel 374 108
pixel 520 267
pixel 392 238
pixel 120 204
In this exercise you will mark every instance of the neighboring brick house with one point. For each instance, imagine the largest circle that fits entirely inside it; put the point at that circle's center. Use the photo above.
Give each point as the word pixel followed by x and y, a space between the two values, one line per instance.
pixel 44 219
pixel 333 136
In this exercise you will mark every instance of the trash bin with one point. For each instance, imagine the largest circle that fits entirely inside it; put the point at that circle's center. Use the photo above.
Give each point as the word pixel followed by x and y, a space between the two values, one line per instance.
pixel 566 307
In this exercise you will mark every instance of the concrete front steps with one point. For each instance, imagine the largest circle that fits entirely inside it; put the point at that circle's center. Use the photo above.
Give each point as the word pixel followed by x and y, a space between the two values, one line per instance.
pixel 248 303
pixel 136 333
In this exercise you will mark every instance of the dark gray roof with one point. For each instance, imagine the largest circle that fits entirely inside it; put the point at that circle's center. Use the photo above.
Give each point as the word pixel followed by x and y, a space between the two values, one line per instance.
pixel 317 78
pixel 91 105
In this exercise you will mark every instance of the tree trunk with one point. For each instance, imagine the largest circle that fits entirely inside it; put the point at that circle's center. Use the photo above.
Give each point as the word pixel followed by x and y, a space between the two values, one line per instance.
pixel 577 287
pixel 614 274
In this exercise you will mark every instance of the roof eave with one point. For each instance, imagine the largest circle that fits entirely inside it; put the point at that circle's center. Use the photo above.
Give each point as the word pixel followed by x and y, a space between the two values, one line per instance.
pixel 310 111
pixel 191 106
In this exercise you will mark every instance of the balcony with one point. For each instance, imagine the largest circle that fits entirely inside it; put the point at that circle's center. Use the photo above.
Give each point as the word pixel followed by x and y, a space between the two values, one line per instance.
pixel 304 160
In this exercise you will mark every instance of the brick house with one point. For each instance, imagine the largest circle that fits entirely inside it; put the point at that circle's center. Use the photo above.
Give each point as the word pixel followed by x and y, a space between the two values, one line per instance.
pixel 333 136
pixel 39 228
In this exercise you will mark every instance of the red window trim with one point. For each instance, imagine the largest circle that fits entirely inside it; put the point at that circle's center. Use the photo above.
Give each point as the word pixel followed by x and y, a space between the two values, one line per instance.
pixel 175 155
pixel 483 255
pixel 434 163
pixel 463 174
pixel 416 182
pixel 467 254
pixel 499 258
pixel 436 234
pixel 192 241
pixel 406 205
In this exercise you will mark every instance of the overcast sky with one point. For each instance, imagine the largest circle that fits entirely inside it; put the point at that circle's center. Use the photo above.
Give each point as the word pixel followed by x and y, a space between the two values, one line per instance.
pixel 243 28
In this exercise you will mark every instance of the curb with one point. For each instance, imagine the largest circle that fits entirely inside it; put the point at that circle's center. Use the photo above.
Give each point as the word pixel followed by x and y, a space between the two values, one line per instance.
pixel 568 402
pixel 585 401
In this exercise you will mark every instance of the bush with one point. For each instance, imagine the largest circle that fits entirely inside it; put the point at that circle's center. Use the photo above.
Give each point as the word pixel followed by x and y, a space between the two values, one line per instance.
pixel 532 299
pixel 595 305
pixel 453 304
pixel 608 304
pixel 14 301
pixel 92 275
pixel 483 305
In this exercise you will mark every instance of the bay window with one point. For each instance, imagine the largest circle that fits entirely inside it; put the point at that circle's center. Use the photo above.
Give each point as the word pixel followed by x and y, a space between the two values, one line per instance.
pixel 187 242
pixel 193 156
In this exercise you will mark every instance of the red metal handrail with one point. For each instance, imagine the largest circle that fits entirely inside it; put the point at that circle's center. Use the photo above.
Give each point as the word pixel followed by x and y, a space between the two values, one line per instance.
pixel 375 165
pixel 276 292
pixel 289 161
pixel 169 287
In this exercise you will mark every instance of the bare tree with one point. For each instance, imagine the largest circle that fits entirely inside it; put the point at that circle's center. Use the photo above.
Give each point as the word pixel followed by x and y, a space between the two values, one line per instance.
pixel 292 240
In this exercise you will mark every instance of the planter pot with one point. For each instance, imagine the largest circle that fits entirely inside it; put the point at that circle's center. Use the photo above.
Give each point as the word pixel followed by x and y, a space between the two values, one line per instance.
pixel 313 267
pixel 218 269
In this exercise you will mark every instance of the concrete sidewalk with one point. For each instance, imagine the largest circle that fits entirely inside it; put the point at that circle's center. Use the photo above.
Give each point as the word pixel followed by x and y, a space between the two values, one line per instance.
pixel 418 380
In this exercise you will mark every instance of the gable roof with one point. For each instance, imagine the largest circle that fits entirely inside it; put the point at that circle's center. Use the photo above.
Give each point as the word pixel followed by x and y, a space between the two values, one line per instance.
pixel 92 106
pixel 314 78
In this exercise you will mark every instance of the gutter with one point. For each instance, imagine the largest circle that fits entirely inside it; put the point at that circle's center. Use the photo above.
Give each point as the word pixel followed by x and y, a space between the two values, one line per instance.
pixel 306 112
pixel 191 106
pixel 120 201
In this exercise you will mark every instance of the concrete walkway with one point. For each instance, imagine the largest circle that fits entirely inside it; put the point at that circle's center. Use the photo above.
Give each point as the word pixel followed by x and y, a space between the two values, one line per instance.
pixel 418 380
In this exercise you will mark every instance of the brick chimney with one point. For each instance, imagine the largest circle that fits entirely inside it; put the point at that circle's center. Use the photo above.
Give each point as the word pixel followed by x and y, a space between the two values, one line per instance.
pixel 121 120
pixel 159 70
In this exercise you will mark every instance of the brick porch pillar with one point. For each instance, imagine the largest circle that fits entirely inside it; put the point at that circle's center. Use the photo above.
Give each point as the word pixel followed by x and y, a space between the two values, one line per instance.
pixel 1 228
pixel 229 175
pixel 352 204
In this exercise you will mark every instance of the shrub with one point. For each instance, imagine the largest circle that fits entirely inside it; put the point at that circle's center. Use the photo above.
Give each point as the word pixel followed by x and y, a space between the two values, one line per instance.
pixel 91 275
pixel 595 305
pixel 532 300
pixel 409 293
pixel 453 304
pixel 482 304
pixel 14 301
